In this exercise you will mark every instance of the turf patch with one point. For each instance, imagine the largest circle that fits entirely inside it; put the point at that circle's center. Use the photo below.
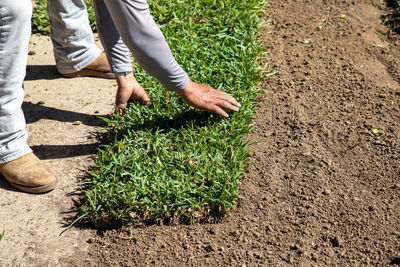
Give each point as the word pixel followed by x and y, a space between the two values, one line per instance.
pixel 168 160
pixel 393 19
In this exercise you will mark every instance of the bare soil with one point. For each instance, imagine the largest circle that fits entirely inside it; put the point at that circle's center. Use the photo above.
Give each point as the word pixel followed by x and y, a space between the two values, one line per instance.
pixel 323 184
pixel 322 188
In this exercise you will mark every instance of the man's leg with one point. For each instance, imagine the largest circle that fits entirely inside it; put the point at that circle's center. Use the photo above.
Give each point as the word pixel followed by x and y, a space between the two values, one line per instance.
pixel 75 52
pixel 17 164
pixel 14 29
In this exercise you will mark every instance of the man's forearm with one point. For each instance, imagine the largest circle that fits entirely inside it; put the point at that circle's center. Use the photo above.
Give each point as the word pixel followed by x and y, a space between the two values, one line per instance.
pixel 117 52
pixel 143 37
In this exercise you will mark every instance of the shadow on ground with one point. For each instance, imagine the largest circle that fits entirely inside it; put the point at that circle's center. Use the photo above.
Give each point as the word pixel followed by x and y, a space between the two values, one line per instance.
pixel 63 151
pixel 41 72
pixel 35 112
pixel 6 186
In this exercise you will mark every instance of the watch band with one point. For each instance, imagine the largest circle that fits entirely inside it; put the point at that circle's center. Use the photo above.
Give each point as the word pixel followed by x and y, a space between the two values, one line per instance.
pixel 122 73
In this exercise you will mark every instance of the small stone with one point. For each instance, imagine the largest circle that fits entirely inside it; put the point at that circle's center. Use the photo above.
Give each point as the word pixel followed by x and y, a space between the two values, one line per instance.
pixel 327 192
pixel 31 53
pixel 235 233
pixel 325 238
pixel 209 248
pixel 335 241
pixel 257 255
pixel 371 208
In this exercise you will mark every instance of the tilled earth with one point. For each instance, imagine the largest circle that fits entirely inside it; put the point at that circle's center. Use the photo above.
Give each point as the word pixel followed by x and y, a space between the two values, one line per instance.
pixel 323 185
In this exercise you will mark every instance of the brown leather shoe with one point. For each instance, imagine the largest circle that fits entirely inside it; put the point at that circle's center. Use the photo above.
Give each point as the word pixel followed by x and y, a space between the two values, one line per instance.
pixel 98 68
pixel 29 174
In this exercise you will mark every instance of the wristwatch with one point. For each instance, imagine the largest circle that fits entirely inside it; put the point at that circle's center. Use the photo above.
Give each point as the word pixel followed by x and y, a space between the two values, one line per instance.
pixel 122 73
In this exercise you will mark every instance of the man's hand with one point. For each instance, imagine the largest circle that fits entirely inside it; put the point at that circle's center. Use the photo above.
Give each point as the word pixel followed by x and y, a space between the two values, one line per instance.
pixel 207 98
pixel 129 90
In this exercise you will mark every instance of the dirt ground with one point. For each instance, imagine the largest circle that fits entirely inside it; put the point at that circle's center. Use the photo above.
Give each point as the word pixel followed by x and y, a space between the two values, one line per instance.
pixel 33 223
pixel 323 184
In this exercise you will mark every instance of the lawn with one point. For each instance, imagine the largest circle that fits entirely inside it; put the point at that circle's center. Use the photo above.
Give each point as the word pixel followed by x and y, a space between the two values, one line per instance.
pixel 394 18
pixel 168 160
pixel 397 15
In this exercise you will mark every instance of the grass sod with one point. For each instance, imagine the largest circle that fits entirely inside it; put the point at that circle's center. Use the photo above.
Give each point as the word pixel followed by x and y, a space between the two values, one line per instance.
pixel 168 160
pixel 393 18
pixel 396 15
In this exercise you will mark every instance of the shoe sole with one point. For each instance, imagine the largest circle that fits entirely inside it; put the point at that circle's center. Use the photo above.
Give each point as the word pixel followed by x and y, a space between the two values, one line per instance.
pixel 35 189
pixel 89 73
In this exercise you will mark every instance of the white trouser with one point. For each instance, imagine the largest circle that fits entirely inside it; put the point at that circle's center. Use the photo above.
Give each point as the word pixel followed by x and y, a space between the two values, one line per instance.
pixel 15 29
pixel 72 37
